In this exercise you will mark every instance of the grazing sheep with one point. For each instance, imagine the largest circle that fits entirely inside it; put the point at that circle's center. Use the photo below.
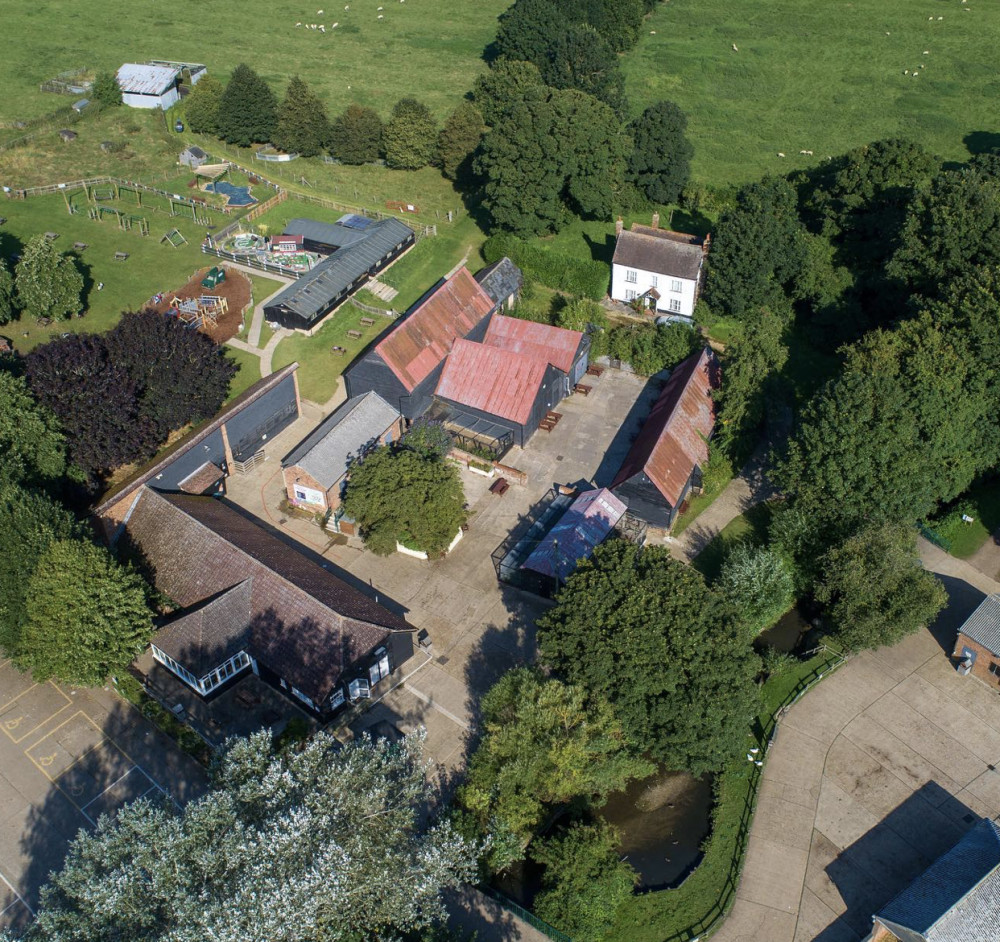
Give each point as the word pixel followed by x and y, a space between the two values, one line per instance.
pixel 347 7
pixel 734 48
pixel 652 32
pixel 322 29
pixel 335 25
pixel 906 71
pixel 927 52
pixel 319 12
pixel 808 153
pixel 380 16
pixel 780 154
pixel 298 24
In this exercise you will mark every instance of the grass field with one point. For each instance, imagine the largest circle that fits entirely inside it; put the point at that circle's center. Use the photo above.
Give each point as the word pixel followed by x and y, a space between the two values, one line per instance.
pixel 428 48
pixel 152 266
pixel 815 76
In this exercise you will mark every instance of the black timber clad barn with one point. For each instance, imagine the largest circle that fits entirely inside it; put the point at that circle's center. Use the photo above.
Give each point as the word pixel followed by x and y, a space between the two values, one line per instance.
pixel 341 273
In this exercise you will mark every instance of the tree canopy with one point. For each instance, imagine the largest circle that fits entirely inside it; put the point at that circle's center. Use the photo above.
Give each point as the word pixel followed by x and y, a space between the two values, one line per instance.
pixel 201 107
pixel 496 91
pixel 551 155
pixel 30 440
pixel 8 296
pixel 758 581
pixel 660 162
pixel 48 284
pixel 758 248
pixel 645 632
pixel 578 57
pixel 458 140
pixel 543 744
pixel 248 109
pixel 302 126
pixel 356 135
pixel 85 615
pixel 875 589
pixel 399 495
pixel 322 843
pixel 410 136
pixel 106 90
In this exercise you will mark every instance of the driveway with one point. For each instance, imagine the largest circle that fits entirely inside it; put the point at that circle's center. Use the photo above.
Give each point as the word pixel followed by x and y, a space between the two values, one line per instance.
pixel 67 756
pixel 876 772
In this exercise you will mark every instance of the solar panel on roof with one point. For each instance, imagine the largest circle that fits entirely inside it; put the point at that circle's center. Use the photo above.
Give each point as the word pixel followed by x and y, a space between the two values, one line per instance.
pixel 350 221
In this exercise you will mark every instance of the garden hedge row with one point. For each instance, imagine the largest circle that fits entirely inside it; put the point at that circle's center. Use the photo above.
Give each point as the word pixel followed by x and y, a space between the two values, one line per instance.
pixel 575 276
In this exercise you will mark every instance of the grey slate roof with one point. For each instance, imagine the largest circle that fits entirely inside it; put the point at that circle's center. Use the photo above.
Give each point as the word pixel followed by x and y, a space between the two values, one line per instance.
pixel 983 625
pixel 676 254
pixel 196 151
pixel 342 438
pixel 331 234
pixel 500 280
pixel 315 291
pixel 211 634
pixel 957 898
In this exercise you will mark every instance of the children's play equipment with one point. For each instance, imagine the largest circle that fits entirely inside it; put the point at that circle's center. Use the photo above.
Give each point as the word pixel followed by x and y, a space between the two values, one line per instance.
pixel 213 277
pixel 198 312
pixel 174 238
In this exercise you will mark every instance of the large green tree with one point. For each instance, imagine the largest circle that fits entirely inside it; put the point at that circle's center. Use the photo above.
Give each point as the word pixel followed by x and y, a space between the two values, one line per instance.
pixel 356 135
pixel 578 57
pixel 31 444
pixel 543 744
pixel 526 29
pixel 458 140
pixel 660 162
pixel 496 91
pixel 85 615
pixel 590 318
pixel 410 136
pixel 874 588
pixel 553 155
pixel 399 495
pixel 248 109
pixel 752 363
pixel 759 582
pixel 8 296
pixel 644 631
pixel 585 881
pixel 899 430
pixel 302 126
pixel 618 21
pixel 325 842
pixel 951 226
pixel 758 249
pixel 48 284
pixel 201 107
pixel 29 522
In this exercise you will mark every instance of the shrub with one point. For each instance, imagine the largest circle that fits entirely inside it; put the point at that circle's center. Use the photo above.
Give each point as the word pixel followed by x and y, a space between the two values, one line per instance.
pixel 563 272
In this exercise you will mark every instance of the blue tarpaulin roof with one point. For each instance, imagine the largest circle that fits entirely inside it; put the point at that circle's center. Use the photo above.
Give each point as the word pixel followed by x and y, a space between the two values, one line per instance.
pixel 586 523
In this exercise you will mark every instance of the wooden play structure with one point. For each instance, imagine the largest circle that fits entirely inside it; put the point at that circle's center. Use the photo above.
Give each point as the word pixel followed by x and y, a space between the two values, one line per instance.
pixel 199 312
pixel 126 221
pixel 174 238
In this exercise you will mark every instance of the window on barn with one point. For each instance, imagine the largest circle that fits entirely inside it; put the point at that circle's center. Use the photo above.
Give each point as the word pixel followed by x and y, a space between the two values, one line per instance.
pixel 995 669
pixel 631 276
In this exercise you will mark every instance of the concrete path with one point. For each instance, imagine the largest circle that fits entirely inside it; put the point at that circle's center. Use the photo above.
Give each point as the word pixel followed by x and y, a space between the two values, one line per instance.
pixel 749 487
pixel 258 312
pixel 873 774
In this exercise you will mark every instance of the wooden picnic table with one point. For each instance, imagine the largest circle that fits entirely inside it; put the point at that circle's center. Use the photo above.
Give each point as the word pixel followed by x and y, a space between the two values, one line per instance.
pixel 51 236
pixel 594 370
pixel 500 487
pixel 583 389
pixel 368 321
pixel 356 334
pixel 121 256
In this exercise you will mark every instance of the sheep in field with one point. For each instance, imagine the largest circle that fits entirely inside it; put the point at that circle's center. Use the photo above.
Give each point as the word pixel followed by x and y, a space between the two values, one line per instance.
pixel 780 154
pixel 734 48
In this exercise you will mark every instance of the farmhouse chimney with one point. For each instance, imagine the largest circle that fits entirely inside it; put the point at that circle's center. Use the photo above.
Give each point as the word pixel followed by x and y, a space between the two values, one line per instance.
pixel 656 220
pixel 706 244
pixel 619 225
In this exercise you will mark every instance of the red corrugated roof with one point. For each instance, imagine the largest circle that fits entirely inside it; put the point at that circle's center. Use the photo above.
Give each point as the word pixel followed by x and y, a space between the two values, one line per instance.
pixel 555 345
pixel 424 338
pixel 673 439
pixel 500 382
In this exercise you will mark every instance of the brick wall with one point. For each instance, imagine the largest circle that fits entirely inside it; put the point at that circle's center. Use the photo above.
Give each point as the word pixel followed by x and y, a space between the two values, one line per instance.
pixel 984 658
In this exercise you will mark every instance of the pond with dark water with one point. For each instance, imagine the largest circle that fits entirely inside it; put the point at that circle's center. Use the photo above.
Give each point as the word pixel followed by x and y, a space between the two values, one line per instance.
pixel 785 634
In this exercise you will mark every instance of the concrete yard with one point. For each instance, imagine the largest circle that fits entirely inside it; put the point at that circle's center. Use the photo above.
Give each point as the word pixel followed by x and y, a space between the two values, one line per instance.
pixel 876 772
pixel 478 628
pixel 68 756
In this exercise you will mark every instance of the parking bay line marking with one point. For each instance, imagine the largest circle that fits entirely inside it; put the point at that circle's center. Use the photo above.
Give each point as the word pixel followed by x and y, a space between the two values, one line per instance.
pixel 20 898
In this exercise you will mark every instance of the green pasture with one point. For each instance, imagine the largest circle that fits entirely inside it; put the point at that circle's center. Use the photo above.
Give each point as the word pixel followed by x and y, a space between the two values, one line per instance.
pixel 151 267
pixel 815 76
pixel 428 48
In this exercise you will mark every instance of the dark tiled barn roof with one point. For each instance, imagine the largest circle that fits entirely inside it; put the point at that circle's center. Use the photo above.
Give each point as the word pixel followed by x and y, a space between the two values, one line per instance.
pixel 555 345
pixel 424 337
pixel 500 382
pixel 957 898
pixel 306 624
pixel 661 251
pixel 674 438
pixel 500 280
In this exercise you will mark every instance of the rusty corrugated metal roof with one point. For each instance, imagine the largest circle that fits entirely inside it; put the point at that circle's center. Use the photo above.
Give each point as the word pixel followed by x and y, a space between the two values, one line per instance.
pixel 425 337
pixel 674 437
pixel 555 345
pixel 500 382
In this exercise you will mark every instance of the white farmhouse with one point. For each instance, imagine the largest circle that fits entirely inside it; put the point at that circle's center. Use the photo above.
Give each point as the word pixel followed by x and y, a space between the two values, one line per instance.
pixel 659 268
pixel 149 86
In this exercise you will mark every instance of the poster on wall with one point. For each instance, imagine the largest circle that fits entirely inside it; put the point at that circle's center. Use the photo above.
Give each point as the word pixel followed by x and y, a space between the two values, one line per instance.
pixel 309 496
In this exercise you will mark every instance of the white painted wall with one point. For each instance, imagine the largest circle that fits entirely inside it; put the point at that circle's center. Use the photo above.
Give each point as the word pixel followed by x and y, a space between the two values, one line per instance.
pixel 622 288
pixel 164 101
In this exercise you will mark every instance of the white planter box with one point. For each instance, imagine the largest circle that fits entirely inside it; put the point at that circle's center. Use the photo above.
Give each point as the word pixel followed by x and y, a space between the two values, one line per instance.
pixel 485 474
pixel 456 541
pixel 420 554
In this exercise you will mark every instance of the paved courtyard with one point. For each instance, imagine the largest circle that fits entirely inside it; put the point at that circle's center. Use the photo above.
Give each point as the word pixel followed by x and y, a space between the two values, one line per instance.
pixel 68 756
pixel 478 628
pixel 876 772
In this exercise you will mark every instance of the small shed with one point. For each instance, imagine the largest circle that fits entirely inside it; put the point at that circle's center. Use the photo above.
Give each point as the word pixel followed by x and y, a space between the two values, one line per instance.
pixel 149 86
pixel 193 157
pixel 67 135
pixel 78 106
